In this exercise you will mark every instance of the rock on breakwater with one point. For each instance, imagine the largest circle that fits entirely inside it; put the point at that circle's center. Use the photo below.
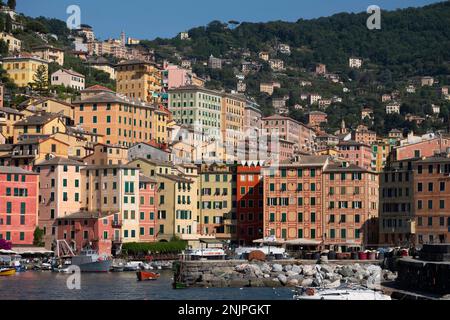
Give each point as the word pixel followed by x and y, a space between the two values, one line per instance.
pixel 279 273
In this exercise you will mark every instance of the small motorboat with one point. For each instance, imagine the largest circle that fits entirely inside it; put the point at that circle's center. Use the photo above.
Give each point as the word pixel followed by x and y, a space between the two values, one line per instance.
pixel 7 272
pixel 341 293
pixel 117 268
pixel 146 275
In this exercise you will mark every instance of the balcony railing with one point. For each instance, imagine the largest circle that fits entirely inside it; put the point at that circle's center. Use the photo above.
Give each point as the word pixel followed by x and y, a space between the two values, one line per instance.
pixel 117 224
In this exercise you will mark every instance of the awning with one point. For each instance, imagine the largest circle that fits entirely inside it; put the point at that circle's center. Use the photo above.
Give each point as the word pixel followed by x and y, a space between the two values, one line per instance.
pixel 211 241
pixel 301 241
pixel 32 250
pixel 269 241
pixel 3 251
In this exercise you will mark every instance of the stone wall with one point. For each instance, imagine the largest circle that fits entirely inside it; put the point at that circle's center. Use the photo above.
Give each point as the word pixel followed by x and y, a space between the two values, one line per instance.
pixel 240 273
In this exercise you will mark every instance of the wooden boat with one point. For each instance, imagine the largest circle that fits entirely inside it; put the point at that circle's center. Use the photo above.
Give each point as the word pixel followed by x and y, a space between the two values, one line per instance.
pixel 7 272
pixel 146 275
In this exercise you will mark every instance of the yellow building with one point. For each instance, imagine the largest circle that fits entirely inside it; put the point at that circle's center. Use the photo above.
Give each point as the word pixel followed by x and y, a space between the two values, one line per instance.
pixel 161 117
pixel 8 117
pixel 22 69
pixel 49 54
pixel 151 168
pixel 177 208
pixel 119 119
pixel 139 80
pixel 216 186
pixel 232 122
pixel 50 105
pixel 38 125
pixel 14 44
pixel 107 154
pixel 28 152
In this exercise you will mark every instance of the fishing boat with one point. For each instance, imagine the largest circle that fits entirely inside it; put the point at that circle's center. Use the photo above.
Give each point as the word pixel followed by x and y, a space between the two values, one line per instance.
pixel 341 293
pixel 90 261
pixel 7 272
pixel 146 275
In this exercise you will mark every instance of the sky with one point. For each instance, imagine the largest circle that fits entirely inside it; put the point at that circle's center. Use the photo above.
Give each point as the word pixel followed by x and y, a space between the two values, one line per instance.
pixel 148 19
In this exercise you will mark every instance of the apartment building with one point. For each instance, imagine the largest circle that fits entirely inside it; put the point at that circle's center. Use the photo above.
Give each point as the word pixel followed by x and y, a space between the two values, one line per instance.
pixel 139 80
pixel 217 202
pixel 114 189
pixel 250 203
pixel 68 79
pixel 119 119
pixel 22 69
pixel 328 203
pixel 148 210
pixel 18 205
pixel 60 193
pixel 49 54
pixel 198 107
pixel 355 153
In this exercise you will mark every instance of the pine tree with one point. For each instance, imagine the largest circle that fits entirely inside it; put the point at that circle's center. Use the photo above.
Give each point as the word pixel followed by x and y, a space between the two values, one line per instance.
pixel 12 4
pixel 41 79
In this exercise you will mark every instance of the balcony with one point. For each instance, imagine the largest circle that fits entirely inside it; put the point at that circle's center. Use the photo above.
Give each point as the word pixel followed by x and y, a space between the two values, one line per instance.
pixel 116 224
pixel 117 240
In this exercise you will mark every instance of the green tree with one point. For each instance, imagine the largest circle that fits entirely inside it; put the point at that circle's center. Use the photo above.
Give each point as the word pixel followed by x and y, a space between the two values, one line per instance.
pixel 38 237
pixel 8 24
pixel 12 4
pixel 41 79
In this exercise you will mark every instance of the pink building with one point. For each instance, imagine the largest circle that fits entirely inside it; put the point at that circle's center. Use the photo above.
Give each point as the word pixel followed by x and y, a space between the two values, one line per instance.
pixel 87 229
pixel 147 209
pixel 60 193
pixel 18 205
pixel 355 153
pixel 424 148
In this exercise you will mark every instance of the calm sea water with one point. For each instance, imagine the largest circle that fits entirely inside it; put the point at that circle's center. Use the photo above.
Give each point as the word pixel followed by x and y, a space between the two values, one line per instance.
pixel 45 285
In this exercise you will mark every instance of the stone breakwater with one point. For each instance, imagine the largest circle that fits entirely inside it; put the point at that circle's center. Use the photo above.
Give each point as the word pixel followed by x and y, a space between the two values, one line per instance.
pixel 279 273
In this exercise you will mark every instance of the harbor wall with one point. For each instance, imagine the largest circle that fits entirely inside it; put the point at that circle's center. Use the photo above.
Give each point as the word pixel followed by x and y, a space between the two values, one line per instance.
pixel 241 273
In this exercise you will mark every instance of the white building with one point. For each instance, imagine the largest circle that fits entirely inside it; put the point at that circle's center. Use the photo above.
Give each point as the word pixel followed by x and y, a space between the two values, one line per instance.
pixel 436 109
pixel 69 79
pixel 393 108
pixel 355 63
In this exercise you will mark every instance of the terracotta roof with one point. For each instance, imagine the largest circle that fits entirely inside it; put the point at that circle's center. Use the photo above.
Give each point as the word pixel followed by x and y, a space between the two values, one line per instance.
pixel 97 87
pixel 112 97
pixel 69 71
pixel 175 178
pixel 143 178
pixel 60 161
pixel 87 215
pixel 37 119
pixel 10 110
pixel 15 170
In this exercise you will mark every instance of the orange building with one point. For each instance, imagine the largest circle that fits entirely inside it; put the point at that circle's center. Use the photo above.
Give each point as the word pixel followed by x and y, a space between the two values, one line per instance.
pixel 120 120
pixel 325 202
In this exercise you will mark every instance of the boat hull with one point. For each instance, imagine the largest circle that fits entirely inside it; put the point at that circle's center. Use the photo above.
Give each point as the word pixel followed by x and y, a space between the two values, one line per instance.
pixel 98 266
pixel 8 272
pixel 144 275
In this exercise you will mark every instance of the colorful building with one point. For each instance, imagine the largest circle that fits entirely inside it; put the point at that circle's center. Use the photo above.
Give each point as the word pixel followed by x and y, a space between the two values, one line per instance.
pixel 49 54
pixel 114 189
pixel 332 203
pixel 217 209
pixel 18 205
pixel 198 107
pixel 355 153
pixel 93 230
pixel 60 193
pixel 119 119
pixel 148 209
pixel 139 80
pixel 250 203
pixel 22 69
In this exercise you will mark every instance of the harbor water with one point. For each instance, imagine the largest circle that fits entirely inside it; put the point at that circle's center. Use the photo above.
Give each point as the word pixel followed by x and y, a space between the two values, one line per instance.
pixel 46 285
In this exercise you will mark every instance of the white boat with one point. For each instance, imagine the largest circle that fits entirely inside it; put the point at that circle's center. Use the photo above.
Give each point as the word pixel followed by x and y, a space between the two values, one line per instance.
pixel 133 266
pixel 342 293
pixel 206 253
